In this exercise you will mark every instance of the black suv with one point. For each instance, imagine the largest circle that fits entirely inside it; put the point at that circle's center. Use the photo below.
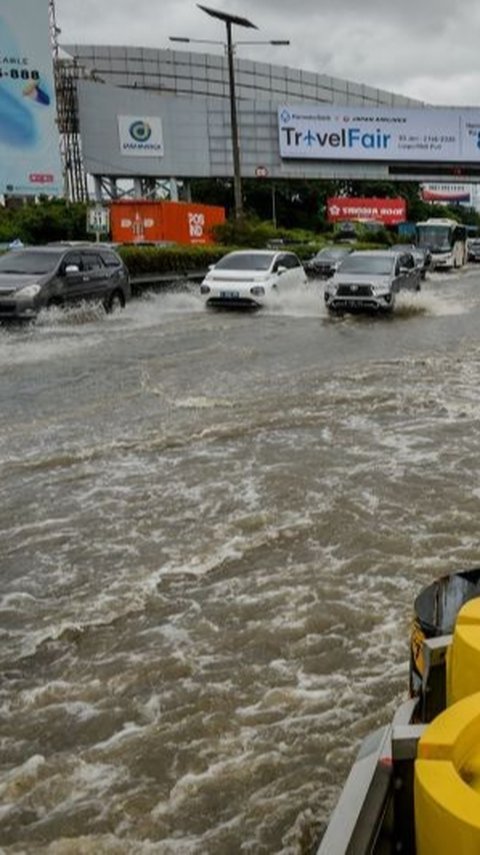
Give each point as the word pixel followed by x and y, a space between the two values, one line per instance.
pixel 35 278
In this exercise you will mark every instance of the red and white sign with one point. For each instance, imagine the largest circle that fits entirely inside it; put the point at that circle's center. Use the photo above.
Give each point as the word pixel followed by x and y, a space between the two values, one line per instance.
pixel 41 178
pixel 196 225
pixel 446 193
pixel 388 211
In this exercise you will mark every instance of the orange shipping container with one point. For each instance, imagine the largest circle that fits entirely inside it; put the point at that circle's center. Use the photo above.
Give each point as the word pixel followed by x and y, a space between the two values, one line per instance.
pixel 140 220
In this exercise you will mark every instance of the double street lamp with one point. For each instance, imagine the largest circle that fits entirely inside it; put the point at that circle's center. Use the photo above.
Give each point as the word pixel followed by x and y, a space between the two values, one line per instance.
pixel 229 21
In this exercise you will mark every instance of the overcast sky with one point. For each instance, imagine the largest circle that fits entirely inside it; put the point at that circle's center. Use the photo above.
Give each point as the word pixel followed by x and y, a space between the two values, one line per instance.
pixel 426 49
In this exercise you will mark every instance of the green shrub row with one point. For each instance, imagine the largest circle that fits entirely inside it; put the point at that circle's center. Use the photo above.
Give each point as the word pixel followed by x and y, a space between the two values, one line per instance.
pixel 149 260
pixel 184 259
pixel 179 259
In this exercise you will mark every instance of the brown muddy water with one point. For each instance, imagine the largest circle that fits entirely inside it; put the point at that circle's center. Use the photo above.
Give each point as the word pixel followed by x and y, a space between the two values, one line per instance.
pixel 213 529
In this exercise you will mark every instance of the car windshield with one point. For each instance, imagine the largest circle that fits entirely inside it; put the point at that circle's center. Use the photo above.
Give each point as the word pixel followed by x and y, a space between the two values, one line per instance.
pixel 35 263
pixel 435 237
pixel 378 265
pixel 326 254
pixel 245 261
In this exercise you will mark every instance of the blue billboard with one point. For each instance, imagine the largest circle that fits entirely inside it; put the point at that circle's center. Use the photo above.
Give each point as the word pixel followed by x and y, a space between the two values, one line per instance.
pixel 30 161
pixel 336 132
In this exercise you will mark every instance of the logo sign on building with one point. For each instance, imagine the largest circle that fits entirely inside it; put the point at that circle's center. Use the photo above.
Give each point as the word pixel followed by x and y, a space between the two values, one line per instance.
pixel 379 133
pixel 387 211
pixel 140 136
pixel 29 141
pixel 196 226
pixel 445 194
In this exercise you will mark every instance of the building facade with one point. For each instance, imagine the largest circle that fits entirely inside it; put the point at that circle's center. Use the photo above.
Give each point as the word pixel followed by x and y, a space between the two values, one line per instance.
pixel 182 99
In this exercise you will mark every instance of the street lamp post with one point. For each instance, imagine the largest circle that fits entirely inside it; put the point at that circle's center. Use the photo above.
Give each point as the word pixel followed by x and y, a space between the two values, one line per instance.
pixel 229 21
pixel 237 175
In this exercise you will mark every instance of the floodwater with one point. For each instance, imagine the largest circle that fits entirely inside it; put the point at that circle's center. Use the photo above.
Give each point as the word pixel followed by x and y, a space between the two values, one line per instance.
pixel 213 529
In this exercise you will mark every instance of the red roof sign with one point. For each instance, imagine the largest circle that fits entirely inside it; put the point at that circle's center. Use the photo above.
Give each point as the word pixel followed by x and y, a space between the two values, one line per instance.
pixel 388 211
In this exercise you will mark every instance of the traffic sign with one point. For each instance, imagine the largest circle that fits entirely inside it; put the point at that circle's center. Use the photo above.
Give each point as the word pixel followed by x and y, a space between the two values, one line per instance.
pixel 98 220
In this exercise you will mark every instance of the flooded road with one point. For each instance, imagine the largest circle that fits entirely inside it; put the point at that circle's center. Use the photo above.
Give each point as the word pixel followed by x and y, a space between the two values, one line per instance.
pixel 213 529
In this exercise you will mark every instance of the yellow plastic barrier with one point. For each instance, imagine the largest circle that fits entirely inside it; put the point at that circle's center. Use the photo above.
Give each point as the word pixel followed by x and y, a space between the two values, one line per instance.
pixel 447 782
pixel 463 656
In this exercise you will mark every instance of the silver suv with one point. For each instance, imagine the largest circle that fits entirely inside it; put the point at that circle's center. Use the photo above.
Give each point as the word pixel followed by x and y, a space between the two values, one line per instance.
pixel 35 278
pixel 368 280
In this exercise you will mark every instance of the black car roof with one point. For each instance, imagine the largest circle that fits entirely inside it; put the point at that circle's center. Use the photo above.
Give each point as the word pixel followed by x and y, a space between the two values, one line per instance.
pixel 62 248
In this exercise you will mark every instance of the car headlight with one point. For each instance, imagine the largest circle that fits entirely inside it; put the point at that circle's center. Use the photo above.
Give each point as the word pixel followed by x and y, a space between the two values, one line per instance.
pixel 29 291
pixel 204 288
pixel 257 290
pixel 380 286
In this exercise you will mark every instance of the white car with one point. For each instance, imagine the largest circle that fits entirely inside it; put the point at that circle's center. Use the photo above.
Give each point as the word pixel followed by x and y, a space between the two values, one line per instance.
pixel 251 278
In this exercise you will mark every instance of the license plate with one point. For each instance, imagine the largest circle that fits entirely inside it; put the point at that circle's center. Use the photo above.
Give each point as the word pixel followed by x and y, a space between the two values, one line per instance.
pixel 352 304
pixel 230 295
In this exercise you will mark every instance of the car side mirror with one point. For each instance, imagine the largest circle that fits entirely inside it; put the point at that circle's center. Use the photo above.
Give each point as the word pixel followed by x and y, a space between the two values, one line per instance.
pixel 210 267
pixel 281 269
pixel 71 268
pixel 404 270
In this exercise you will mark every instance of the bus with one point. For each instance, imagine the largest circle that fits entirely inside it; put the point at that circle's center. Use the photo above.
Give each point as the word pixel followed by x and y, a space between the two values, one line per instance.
pixel 446 241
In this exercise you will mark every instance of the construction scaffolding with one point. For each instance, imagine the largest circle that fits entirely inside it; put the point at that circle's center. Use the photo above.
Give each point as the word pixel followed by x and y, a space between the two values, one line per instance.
pixel 66 74
pixel 75 181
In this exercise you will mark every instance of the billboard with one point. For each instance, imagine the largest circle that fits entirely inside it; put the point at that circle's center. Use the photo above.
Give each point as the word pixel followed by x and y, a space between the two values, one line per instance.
pixel 334 132
pixel 388 211
pixel 140 136
pixel 29 140
pixel 446 193
pixel 132 132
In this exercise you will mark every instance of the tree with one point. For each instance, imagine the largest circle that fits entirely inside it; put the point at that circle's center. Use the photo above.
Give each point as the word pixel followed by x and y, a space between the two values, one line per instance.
pixel 43 221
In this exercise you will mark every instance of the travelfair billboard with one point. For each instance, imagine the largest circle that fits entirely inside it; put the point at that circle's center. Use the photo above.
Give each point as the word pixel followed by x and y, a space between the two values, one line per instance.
pixel 334 132
pixel 29 140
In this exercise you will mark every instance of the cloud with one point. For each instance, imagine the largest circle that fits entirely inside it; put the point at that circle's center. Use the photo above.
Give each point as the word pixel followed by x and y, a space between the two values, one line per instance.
pixel 426 49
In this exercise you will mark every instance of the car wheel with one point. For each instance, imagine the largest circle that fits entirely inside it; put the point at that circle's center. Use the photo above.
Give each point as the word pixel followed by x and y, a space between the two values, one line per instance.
pixel 114 302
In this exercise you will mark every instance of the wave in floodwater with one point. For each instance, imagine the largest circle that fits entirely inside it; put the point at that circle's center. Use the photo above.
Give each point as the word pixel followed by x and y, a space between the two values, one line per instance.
pixel 428 303
pixel 154 308
pixel 209 560
pixel 58 332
